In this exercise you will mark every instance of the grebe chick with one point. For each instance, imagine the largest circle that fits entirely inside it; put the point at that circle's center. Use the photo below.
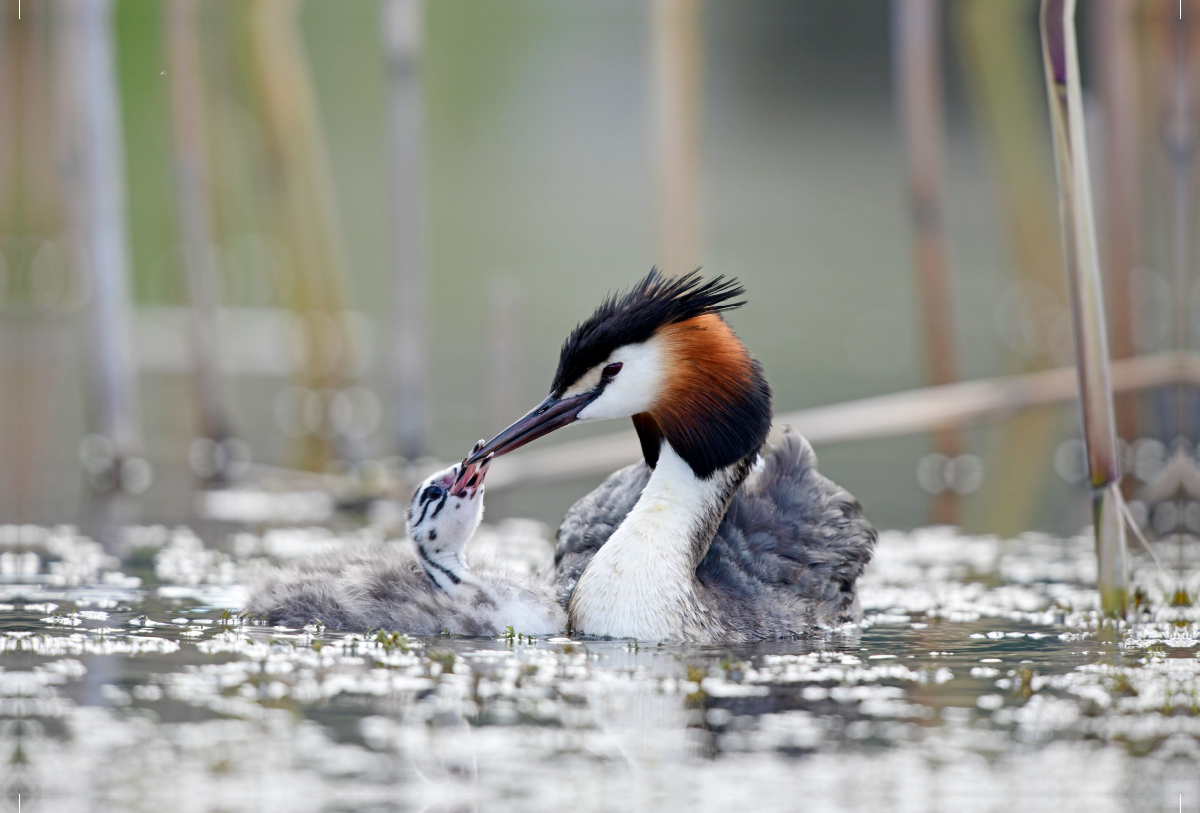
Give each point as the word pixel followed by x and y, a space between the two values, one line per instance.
pixel 422 588
pixel 717 535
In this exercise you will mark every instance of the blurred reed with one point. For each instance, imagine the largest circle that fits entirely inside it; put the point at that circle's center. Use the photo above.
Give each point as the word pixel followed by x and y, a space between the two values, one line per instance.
pixel 929 409
pixel 402 23
pixel 92 165
pixel 1123 117
pixel 8 135
pixel 304 205
pixel 678 59
pixel 1001 53
pixel 918 79
pixel 1061 63
pixel 210 453
pixel 1180 136
pixel 1179 45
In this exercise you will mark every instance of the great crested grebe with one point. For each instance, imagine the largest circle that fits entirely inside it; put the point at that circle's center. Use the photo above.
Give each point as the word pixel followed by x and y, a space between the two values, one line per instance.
pixel 424 588
pixel 716 535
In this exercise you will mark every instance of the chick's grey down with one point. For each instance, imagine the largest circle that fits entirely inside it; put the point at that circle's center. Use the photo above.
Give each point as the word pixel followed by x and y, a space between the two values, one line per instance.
pixel 432 584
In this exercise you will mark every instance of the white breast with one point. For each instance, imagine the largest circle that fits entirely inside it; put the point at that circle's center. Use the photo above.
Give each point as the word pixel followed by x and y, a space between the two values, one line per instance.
pixel 642 582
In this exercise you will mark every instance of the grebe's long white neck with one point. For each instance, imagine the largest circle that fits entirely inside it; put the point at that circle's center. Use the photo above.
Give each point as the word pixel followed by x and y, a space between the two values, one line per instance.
pixel 642 583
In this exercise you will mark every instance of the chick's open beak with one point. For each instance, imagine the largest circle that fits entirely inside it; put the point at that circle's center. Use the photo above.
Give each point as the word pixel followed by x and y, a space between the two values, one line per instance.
pixel 470 475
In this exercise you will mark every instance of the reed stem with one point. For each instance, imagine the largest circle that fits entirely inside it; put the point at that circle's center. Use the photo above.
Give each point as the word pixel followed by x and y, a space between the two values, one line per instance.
pixel 303 199
pixel 192 193
pixel 1061 62
pixel 1123 115
pixel 1005 81
pixel 678 57
pixel 917 37
pixel 93 178
pixel 402 21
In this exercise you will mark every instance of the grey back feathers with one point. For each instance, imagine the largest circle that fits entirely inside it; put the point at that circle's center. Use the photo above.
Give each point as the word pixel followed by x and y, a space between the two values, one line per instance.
pixel 785 558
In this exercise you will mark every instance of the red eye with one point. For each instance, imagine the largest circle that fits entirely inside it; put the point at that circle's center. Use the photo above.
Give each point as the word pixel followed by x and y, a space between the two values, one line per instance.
pixel 611 369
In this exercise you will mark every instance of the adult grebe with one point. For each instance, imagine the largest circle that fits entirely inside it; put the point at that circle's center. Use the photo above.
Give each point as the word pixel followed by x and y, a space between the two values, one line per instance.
pixel 424 588
pixel 714 536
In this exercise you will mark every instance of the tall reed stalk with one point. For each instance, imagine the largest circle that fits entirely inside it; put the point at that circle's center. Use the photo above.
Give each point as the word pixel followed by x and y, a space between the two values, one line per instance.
pixel 199 254
pixel 93 179
pixel 402 22
pixel 1000 53
pixel 917 42
pixel 1060 59
pixel 302 192
pixel 678 48
pixel 31 211
pixel 1123 117
pixel 1179 136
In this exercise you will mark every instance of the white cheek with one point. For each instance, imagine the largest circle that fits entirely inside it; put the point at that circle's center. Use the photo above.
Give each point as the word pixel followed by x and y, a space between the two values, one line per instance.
pixel 634 389
pixel 618 401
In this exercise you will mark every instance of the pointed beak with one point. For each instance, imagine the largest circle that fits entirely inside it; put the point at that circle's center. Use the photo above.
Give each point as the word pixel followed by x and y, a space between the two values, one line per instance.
pixel 551 414
pixel 470 478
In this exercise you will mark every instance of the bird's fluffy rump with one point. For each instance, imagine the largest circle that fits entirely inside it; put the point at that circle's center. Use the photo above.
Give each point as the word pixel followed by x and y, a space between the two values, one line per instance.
pixel 384 587
pixel 785 559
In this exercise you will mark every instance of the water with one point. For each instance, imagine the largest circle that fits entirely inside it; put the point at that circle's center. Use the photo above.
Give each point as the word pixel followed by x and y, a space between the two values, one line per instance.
pixel 980 681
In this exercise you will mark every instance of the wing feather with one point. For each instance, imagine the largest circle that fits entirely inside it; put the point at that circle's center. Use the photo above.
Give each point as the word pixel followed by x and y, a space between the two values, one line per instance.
pixel 794 530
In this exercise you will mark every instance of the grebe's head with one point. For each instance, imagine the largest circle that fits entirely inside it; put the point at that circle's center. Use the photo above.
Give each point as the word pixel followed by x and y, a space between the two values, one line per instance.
pixel 661 353
pixel 448 506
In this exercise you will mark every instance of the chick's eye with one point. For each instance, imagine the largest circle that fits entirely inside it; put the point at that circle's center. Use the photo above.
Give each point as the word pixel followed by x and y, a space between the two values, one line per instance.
pixel 433 492
pixel 611 369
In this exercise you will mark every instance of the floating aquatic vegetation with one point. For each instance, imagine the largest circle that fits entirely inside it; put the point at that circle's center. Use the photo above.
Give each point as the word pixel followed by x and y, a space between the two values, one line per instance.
pixel 980 658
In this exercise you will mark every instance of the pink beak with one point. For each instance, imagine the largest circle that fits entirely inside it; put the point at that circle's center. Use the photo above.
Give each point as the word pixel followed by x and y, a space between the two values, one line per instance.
pixel 470 475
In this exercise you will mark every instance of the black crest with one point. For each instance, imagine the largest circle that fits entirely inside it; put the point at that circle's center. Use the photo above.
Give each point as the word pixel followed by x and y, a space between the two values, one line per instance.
pixel 632 317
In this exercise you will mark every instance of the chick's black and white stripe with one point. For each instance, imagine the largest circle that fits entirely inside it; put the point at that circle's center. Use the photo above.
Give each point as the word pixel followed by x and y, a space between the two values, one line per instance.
pixel 428 496
pixel 432 568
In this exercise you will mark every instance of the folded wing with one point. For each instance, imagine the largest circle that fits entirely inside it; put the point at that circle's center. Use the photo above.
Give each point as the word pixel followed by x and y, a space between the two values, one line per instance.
pixel 791 529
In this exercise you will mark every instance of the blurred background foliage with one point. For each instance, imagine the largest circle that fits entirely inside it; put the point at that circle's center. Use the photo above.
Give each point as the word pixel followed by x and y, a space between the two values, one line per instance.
pixel 538 199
